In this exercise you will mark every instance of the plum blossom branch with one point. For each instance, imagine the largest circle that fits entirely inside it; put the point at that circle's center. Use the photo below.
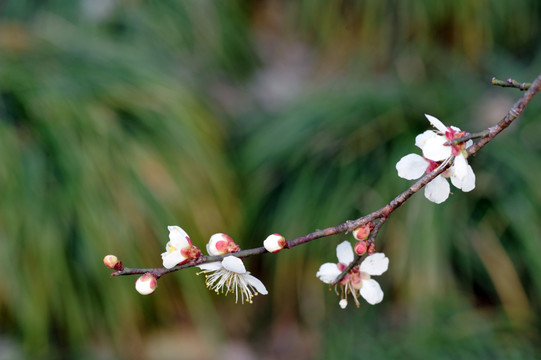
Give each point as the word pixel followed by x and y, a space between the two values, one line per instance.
pixel 375 219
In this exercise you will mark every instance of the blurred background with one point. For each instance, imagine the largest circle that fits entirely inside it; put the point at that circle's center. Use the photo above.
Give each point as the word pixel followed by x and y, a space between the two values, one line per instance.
pixel 120 117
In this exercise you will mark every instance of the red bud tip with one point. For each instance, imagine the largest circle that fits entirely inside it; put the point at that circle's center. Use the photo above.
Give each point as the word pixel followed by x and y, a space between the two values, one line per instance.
pixel 362 232
pixel 361 247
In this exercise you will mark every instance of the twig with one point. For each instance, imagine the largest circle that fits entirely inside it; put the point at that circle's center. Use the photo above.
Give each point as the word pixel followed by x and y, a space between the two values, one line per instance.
pixel 465 138
pixel 511 116
pixel 511 83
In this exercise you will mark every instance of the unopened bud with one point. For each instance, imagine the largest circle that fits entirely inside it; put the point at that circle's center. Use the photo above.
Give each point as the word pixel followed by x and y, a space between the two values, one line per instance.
pixel 361 247
pixel 274 243
pixel 112 262
pixel 146 284
pixel 362 232
pixel 220 244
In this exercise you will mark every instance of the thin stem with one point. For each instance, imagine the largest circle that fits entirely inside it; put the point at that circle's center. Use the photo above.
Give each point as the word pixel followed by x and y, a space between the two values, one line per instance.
pixel 465 138
pixel 511 83
pixel 511 116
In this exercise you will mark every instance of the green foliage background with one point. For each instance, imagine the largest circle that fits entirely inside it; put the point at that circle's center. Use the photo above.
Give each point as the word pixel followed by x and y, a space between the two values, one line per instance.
pixel 118 118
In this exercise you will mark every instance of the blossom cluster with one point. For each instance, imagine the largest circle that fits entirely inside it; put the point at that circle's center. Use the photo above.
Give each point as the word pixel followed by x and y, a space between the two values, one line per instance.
pixel 357 281
pixel 435 153
pixel 226 276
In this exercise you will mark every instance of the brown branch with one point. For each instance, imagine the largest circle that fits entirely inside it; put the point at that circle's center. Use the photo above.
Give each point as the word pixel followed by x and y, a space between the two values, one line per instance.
pixel 467 137
pixel 383 213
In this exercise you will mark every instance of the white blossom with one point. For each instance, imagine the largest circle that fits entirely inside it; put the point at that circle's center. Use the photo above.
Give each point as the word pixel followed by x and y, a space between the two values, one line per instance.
pixel 358 280
pixel 230 276
pixel 178 249
pixel 413 166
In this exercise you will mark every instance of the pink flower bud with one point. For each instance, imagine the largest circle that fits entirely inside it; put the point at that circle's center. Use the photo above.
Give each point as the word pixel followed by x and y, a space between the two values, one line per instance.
pixel 112 262
pixel 361 247
pixel 146 284
pixel 362 232
pixel 218 244
pixel 274 243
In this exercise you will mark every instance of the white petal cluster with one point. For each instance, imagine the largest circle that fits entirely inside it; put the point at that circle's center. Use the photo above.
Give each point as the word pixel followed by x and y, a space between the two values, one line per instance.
pixel 230 276
pixel 413 166
pixel 358 280
pixel 175 253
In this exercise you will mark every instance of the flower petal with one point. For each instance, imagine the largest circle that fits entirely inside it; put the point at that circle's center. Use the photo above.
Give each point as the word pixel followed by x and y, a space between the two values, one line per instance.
pixel 328 272
pixel 234 264
pixel 213 266
pixel 375 264
pixel 420 140
pixel 411 166
pixel 467 183
pixel 459 168
pixel 371 291
pixel 435 150
pixel 170 260
pixel 344 253
pixel 255 282
pixel 437 190
pixel 179 237
pixel 343 303
pixel 436 123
